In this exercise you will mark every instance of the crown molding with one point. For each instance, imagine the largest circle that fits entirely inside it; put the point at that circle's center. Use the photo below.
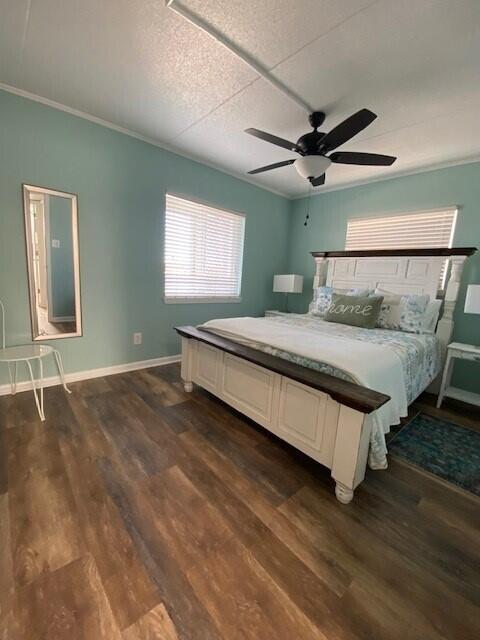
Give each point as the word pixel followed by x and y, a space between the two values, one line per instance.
pixel 133 134
pixel 400 174
pixel 234 174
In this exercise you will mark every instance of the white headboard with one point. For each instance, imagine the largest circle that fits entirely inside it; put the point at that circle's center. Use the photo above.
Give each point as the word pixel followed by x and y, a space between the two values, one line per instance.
pixel 400 271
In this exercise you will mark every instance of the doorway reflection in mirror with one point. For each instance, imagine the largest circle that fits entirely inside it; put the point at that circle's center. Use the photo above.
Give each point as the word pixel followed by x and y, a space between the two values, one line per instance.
pixel 53 264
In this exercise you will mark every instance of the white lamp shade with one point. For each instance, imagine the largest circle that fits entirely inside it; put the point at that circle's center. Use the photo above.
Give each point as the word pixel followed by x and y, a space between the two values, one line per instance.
pixel 472 301
pixel 288 283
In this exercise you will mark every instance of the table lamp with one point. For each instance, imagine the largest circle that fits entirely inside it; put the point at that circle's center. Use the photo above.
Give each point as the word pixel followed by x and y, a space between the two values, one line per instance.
pixel 287 283
pixel 472 300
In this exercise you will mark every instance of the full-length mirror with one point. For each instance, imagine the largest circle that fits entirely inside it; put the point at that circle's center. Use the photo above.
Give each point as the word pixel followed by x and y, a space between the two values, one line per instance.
pixel 51 235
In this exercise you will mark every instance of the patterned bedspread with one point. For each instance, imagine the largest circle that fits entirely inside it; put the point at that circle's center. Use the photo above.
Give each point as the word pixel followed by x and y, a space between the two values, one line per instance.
pixel 420 354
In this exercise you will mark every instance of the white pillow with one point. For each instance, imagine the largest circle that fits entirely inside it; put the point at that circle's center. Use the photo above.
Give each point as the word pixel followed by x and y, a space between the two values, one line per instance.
pixel 431 316
pixel 403 312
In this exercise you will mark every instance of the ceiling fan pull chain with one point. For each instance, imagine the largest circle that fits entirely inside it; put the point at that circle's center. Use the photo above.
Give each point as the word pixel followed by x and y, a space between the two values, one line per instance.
pixel 307 214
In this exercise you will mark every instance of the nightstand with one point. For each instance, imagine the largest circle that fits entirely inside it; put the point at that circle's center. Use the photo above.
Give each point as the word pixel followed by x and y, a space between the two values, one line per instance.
pixel 463 352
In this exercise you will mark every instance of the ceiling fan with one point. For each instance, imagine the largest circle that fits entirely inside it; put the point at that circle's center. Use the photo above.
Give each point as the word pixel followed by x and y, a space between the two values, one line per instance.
pixel 314 146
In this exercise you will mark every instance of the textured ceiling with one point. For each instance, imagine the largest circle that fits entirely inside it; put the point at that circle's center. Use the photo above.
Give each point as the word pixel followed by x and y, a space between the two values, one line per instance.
pixel 140 66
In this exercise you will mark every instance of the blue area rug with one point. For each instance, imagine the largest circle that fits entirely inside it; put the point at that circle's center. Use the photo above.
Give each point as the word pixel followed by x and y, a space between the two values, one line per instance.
pixel 443 448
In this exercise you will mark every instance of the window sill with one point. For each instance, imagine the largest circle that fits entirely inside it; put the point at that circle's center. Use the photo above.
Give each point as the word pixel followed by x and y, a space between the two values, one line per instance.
pixel 201 300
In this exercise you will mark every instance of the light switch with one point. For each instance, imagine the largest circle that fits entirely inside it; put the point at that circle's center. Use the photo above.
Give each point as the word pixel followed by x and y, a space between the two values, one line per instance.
pixel 56 244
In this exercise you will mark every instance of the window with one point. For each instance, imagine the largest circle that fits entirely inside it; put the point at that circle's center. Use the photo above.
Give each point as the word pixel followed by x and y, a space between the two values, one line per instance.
pixel 407 230
pixel 203 252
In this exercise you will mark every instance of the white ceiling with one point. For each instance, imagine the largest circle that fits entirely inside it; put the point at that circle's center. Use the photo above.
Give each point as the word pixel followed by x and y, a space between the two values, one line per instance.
pixel 138 65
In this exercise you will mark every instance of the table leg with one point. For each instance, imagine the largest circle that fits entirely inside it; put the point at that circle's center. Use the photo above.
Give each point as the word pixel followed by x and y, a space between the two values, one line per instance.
pixel 13 383
pixel 58 360
pixel 447 376
pixel 38 402
pixel 40 364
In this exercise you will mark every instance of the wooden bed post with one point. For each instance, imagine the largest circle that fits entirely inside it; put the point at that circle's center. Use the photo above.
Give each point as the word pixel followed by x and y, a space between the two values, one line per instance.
pixel 350 452
pixel 321 266
pixel 320 277
pixel 445 325
pixel 186 371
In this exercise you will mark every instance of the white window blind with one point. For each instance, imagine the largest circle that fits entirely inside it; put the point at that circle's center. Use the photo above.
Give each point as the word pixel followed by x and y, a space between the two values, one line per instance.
pixel 433 229
pixel 203 252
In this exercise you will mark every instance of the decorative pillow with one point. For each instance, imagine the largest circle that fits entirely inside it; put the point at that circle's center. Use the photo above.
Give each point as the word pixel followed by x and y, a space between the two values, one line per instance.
pixel 403 312
pixel 322 298
pixel 389 317
pixel 357 311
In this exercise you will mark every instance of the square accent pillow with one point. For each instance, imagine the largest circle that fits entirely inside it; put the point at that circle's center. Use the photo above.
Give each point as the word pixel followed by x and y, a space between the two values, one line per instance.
pixel 412 313
pixel 403 312
pixel 389 317
pixel 322 298
pixel 357 311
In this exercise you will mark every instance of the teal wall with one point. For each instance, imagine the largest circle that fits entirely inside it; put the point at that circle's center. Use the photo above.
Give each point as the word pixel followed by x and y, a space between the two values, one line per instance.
pixel 330 212
pixel 120 182
pixel 62 283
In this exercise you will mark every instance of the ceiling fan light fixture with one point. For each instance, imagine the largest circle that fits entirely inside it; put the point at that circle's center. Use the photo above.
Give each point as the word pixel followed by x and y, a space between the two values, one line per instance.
pixel 312 166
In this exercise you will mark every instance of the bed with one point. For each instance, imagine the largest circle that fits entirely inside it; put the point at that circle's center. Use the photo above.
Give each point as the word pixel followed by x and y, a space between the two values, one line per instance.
pixel 331 390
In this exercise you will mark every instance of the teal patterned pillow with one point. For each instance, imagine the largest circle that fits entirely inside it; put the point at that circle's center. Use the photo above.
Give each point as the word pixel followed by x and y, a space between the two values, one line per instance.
pixel 412 313
pixel 402 312
pixel 322 299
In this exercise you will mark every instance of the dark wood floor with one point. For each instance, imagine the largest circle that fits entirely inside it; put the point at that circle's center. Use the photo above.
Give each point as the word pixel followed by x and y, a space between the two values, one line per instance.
pixel 138 512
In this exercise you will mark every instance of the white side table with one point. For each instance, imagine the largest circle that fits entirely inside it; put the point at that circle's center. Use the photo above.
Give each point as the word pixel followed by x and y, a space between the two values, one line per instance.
pixel 29 353
pixel 463 352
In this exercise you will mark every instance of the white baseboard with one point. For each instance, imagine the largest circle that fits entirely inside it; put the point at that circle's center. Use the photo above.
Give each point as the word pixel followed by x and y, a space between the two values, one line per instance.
pixel 51 381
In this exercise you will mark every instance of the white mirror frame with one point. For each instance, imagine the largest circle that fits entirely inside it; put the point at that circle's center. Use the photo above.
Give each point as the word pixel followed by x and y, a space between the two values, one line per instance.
pixel 26 190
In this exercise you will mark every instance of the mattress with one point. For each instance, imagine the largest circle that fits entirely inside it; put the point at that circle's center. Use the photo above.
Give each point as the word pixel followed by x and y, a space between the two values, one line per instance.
pixel 400 364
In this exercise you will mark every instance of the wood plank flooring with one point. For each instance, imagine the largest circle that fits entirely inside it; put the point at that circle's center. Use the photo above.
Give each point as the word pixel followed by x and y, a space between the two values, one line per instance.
pixel 139 512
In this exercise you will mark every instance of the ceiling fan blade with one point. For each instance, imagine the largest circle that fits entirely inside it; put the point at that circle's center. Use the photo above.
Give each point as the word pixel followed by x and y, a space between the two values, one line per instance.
pixel 347 129
pixel 351 157
pixel 317 182
pixel 268 137
pixel 271 166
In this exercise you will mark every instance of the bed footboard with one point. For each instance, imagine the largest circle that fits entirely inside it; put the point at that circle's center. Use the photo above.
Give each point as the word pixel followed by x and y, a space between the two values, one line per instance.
pixel 318 414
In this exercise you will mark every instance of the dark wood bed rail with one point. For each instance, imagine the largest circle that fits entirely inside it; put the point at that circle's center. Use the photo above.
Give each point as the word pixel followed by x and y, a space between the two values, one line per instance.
pixel 372 253
pixel 350 394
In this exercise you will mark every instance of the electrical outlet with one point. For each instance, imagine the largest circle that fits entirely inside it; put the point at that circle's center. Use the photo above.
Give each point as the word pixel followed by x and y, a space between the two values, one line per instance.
pixel 137 338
